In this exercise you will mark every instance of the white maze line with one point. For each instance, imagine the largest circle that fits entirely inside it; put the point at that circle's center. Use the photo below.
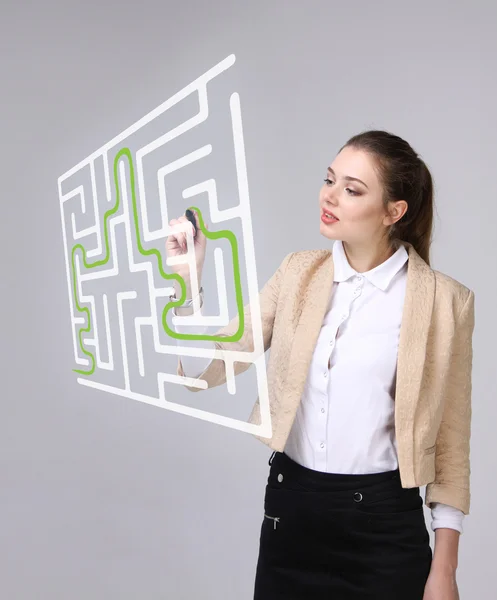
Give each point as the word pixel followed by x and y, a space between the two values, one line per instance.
pixel 101 364
pixel 121 297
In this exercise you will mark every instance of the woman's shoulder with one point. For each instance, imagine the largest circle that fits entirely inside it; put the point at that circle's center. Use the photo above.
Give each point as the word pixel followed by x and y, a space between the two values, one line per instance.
pixel 306 258
pixel 447 285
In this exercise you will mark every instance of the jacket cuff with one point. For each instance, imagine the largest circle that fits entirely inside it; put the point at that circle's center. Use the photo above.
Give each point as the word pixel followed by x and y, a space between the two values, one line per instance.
pixel 448 494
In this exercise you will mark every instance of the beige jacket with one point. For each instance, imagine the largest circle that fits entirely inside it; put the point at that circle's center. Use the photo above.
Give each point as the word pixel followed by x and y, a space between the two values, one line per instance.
pixel 434 367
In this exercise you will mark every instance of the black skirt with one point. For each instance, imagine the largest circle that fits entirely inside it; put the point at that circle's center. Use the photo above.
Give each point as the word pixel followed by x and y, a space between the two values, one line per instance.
pixel 330 536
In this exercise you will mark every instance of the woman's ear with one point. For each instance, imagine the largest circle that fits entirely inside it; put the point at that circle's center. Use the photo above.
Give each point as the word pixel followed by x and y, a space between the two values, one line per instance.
pixel 396 210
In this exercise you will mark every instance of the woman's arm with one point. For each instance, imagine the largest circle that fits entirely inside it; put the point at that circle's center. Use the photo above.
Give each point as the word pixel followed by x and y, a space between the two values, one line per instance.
pixel 215 372
pixel 447 525
pixel 445 556
pixel 441 582
pixel 192 366
pixel 452 469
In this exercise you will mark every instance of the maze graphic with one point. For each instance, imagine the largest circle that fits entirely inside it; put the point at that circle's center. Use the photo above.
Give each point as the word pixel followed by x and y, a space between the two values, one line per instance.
pixel 115 210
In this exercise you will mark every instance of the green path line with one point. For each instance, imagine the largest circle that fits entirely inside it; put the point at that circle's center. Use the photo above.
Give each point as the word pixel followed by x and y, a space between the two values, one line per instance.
pixel 229 235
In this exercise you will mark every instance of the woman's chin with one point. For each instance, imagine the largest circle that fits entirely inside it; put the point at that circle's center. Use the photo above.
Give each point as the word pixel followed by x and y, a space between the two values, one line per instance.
pixel 327 233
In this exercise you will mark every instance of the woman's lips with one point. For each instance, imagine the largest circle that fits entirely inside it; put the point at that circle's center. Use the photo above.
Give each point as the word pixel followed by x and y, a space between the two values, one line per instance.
pixel 328 220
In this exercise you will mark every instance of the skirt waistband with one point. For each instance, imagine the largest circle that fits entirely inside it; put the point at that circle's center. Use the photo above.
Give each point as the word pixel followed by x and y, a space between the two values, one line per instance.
pixel 287 474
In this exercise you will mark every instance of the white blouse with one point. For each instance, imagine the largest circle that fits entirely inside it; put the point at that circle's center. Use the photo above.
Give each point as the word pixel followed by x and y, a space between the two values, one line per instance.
pixel 345 422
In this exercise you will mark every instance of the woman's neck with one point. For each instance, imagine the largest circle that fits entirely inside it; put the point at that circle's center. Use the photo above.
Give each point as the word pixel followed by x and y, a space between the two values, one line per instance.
pixel 363 259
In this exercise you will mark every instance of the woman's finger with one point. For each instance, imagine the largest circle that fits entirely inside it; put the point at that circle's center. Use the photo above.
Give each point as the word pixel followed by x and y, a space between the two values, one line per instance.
pixel 180 236
pixel 177 236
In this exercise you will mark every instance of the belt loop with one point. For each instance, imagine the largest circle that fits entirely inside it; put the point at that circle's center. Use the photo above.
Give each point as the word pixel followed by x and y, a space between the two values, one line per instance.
pixel 271 457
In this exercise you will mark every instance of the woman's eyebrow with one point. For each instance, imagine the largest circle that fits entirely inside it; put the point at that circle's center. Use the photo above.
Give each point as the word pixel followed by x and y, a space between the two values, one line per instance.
pixel 347 177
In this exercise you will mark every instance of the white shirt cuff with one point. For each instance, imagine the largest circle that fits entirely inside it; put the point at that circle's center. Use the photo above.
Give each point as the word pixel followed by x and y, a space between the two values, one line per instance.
pixel 444 515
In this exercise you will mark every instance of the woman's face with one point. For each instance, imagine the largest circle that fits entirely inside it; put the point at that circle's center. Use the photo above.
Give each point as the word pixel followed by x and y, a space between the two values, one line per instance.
pixel 353 194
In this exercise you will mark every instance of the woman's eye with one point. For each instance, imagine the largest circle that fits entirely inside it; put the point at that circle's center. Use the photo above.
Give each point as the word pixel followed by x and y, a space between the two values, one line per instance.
pixel 352 192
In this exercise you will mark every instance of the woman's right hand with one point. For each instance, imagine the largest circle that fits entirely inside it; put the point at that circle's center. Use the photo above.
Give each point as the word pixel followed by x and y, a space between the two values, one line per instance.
pixel 176 246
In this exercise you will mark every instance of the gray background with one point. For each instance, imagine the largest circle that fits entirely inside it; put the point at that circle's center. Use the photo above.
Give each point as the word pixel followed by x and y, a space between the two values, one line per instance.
pixel 104 497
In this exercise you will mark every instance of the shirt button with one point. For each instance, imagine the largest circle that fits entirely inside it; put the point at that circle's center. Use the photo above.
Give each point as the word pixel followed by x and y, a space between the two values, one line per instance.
pixel 331 342
pixel 322 444
pixel 322 410
pixel 325 373
pixel 280 477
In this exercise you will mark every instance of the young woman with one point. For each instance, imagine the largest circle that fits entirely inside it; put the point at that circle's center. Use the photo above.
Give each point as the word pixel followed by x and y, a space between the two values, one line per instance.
pixel 370 390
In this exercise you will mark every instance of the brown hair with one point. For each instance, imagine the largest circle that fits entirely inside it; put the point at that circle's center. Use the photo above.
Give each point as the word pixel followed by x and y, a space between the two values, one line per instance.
pixel 404 176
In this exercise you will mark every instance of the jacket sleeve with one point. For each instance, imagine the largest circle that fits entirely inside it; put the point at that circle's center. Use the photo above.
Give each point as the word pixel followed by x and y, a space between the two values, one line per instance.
pixel 215 372
pixel 452 465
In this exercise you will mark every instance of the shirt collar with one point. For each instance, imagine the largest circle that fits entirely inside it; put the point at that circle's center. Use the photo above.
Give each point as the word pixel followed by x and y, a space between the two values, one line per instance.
pixel 380 276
